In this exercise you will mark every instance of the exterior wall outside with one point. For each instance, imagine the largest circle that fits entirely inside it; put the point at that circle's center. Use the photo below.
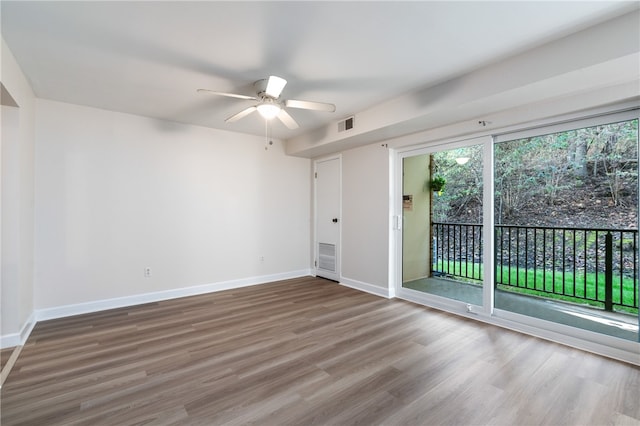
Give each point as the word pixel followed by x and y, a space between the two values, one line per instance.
pixel 416 236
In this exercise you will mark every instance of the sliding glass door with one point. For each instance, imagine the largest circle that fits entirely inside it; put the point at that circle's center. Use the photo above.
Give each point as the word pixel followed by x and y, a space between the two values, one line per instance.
pixel 538 228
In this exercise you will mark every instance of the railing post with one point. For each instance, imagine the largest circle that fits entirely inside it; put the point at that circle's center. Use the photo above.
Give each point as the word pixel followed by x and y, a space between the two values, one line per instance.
pixel 434 254
pixel 608 272
pixel 496 232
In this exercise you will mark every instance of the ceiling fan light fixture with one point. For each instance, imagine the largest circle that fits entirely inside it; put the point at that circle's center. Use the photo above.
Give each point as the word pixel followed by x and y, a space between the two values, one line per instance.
pixel 268 102
pixel 268 110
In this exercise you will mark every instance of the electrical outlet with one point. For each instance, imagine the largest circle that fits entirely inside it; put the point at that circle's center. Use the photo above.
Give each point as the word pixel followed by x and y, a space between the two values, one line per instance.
pixel 147 272
pixel 261 258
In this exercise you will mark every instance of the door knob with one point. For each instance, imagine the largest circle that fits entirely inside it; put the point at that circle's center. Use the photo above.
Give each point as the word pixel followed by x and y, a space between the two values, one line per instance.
pixel 334 220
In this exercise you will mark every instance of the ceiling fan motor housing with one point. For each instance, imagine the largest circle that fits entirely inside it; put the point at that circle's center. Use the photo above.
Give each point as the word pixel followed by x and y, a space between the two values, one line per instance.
pixel 261 87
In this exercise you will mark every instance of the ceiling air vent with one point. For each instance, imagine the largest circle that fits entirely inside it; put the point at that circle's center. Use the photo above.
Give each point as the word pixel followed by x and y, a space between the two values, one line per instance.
pixel 345 124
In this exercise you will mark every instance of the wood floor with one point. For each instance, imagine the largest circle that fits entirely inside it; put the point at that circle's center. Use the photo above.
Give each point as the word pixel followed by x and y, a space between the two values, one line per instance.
pixel 304 352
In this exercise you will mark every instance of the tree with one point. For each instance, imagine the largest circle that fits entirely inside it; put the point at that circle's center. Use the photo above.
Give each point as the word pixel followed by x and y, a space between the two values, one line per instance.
pixel 462 198
pixel 544 170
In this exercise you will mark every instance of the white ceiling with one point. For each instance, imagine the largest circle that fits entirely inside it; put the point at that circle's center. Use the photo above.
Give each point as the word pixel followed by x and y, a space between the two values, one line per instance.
pixel 148 58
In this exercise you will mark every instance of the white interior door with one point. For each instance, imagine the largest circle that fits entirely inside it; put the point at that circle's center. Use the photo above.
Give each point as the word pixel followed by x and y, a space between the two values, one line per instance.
pixel 327 209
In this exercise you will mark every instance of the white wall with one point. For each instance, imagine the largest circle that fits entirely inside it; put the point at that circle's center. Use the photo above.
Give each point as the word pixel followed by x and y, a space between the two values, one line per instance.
pixel 17 202
pixel 117 193
pixel 365 218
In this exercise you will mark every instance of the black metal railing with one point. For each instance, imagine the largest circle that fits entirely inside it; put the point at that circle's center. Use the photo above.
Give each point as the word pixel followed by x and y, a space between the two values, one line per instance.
pixel 457 250
pixel 593 265
pixel 598 265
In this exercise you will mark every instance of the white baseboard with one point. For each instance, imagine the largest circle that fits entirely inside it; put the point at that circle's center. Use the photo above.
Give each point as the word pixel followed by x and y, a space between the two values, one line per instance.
pixel 121 302
pixel 366 287
pixel 16 339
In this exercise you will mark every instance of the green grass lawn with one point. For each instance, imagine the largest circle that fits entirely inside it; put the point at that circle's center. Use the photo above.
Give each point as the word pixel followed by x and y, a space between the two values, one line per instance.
pixel 584 288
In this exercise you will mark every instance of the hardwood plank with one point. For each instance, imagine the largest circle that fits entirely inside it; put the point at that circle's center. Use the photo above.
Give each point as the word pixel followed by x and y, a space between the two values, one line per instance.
pixel 8 357
pixel 305 351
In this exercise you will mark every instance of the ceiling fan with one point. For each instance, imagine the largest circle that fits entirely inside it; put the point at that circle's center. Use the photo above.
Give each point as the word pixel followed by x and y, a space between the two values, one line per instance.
pixel 269 104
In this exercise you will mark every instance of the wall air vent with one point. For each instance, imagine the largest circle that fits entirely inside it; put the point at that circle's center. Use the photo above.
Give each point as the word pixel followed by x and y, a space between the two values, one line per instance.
pixel 327 257
pixel 346 124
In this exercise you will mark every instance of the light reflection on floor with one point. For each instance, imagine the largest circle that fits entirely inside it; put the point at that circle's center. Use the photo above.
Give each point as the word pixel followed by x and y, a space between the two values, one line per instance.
pixel 615 324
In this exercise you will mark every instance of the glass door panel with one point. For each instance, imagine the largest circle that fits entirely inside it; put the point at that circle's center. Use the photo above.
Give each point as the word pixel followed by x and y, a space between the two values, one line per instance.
pixel 566 227
pixel 442 224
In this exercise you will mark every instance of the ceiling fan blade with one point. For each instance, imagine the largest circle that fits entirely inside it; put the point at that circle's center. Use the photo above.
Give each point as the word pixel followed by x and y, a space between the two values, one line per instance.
pixel 287 120
pixel 228 95
pixel 316 106
pixel 241 114
pixel 275 86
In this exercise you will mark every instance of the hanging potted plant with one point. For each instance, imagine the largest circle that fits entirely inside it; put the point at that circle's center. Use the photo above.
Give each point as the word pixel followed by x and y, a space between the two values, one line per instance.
pixel 437 184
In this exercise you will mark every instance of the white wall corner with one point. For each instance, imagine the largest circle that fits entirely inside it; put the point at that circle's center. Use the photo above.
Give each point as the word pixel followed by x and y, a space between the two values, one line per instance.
pixel 28 328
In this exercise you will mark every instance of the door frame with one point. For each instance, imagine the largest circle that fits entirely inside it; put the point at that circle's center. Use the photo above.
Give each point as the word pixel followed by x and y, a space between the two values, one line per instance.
pixel 315 215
